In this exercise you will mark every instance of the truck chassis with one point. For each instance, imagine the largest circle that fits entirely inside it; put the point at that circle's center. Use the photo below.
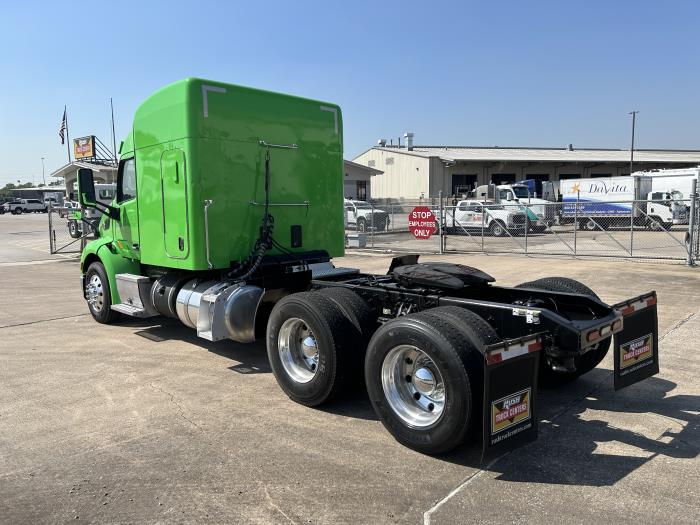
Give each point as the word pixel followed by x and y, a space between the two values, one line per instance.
pixel 441 349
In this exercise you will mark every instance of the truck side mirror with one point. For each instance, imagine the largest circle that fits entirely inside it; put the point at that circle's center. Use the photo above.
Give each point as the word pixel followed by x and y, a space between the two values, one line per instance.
pixel 86 187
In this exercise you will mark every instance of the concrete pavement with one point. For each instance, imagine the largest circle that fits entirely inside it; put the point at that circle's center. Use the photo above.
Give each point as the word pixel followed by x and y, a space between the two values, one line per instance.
pixel 143 421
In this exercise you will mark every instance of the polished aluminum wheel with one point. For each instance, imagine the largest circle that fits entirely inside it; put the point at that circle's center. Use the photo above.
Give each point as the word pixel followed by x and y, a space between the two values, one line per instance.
pixel 94 291
pixel 298 350
pixel 413 386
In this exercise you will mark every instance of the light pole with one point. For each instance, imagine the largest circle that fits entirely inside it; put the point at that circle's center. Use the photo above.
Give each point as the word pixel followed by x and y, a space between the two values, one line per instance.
pixel 43 175
pixel 634 119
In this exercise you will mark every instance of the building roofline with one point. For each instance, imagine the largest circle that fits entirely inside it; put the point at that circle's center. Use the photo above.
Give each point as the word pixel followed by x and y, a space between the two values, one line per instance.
pixel 42 188
pixel 403 149
pixel 374 171
pixel 63 170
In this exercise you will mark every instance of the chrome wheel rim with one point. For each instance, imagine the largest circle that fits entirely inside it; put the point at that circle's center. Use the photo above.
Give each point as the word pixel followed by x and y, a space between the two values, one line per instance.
pixel 94 291
pixel 298 350
pixel 413 386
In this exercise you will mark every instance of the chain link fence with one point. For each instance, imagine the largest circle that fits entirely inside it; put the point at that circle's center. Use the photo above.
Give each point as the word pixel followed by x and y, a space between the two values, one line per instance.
pixel 68 230
pixel 383 225
pixel 650 230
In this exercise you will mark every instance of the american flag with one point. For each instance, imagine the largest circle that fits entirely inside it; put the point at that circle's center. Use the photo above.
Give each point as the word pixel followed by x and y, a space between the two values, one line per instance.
pixel 62 129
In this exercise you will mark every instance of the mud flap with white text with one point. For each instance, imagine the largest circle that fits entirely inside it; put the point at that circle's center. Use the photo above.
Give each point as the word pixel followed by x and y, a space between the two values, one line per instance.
pixel 637 346
pixel 510 393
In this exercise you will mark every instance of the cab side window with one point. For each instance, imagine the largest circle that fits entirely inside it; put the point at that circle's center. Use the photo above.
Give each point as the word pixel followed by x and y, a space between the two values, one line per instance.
pixel 126 181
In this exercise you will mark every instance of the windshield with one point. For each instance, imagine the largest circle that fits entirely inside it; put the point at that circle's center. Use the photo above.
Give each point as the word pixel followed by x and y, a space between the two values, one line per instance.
pixel 521 192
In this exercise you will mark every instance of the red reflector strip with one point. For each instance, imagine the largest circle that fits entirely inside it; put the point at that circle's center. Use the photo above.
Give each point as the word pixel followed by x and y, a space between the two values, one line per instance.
pixel 502 354
pixel 637 305
pixel 533 347
pixel 627 310
pixel 494 358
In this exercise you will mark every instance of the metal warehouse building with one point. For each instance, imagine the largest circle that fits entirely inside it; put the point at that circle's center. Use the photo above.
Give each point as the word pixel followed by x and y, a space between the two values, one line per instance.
pixel 414 172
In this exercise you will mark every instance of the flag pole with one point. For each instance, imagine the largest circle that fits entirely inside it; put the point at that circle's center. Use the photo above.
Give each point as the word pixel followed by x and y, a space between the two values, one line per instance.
pixel 114 139
pixel 65 112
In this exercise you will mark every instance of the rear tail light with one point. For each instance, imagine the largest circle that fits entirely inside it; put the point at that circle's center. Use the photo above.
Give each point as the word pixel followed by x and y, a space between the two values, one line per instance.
pixel 592 335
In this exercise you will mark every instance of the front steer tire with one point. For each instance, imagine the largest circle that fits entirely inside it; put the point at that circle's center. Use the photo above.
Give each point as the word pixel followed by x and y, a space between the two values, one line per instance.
pixel 311 379
pixel 400 390
pixel 98 294
pixel 584 363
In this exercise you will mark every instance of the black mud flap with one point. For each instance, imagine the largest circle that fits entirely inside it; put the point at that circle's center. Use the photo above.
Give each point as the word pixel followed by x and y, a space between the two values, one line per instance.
pixel 637 345
pixel 510 393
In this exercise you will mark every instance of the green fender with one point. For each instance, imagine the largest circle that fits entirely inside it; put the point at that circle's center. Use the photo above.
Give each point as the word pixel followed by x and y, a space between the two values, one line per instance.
pixel 101 250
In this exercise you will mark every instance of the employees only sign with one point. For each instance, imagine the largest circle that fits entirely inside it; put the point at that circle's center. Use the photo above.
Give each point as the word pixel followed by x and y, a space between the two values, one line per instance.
pixel 421 222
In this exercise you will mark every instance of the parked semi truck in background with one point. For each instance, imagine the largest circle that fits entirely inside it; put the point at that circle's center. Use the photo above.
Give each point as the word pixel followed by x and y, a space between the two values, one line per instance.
pixel 603 202
pixel 228 211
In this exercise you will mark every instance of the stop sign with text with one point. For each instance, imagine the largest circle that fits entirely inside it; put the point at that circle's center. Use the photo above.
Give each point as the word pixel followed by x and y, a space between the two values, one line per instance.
pixel 421 222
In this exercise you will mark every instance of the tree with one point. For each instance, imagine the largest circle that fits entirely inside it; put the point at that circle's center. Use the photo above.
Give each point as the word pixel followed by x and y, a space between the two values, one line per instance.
pixel 6 190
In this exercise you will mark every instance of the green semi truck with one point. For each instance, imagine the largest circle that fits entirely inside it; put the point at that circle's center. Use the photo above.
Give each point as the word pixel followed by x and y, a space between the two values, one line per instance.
pixel 228 213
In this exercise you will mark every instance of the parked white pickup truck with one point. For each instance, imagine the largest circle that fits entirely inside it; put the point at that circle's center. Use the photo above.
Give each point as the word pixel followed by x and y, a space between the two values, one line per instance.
pixel 496 219
pixel 18 206
pixel 362 216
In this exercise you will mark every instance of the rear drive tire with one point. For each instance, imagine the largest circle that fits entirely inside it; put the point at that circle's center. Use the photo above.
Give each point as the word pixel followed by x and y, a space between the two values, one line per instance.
pixel 310 344
pixel 362 317
pixel 584 363
pixel 480 334
pixel 355 308
pixel 417 381
pixel 98 294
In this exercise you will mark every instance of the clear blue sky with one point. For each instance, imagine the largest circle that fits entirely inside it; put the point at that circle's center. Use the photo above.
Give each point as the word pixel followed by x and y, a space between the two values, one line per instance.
pixel 494 73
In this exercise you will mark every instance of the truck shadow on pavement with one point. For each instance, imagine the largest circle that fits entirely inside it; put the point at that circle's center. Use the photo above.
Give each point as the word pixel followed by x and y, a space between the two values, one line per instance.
pixel 583 445
pixel 581 439
pixel 251 358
